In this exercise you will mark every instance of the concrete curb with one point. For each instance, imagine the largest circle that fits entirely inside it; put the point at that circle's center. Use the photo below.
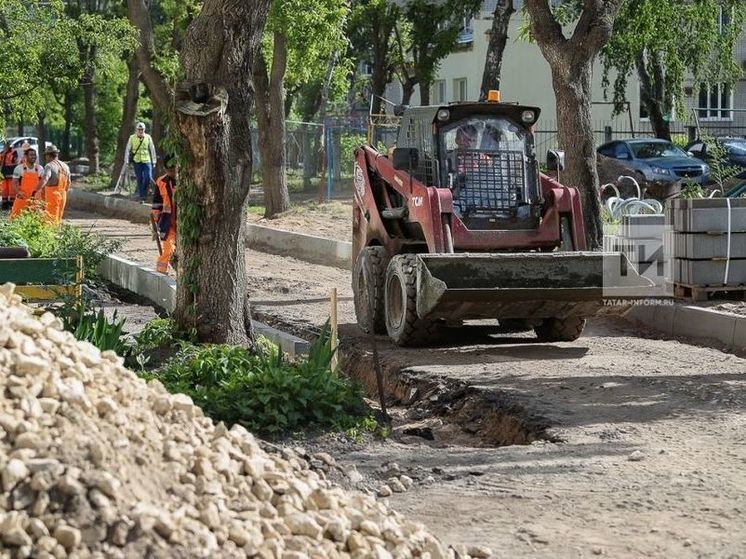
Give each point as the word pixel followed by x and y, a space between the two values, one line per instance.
pixel 309 248
pixel 693 322
pixel 161 291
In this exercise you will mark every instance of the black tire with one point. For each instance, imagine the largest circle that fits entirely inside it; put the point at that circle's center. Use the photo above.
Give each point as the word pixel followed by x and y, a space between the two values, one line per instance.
pixel 374 260
pixel 560 329
pixel 403 325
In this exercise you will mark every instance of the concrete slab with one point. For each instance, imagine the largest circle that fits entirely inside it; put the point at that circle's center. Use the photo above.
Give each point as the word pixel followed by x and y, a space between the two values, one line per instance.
pixel 310 248
pixel 739 333
pixel 109 205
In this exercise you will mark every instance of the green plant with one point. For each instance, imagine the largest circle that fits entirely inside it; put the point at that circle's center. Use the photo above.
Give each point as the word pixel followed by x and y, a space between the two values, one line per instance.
pixel 162 332
pixel 692 190
pixel 96 328
pixel 264 391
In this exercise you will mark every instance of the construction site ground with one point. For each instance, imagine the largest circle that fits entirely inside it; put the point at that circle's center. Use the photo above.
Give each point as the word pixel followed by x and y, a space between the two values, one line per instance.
pixel 639 442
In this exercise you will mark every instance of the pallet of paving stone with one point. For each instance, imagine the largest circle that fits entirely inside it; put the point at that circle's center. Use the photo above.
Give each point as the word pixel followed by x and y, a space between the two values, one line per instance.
pixel 706 246
pixel 706 215
pixel 714 272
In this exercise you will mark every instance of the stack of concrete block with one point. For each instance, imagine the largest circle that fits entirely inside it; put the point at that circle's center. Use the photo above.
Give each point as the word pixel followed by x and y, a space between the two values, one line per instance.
pixel 701 230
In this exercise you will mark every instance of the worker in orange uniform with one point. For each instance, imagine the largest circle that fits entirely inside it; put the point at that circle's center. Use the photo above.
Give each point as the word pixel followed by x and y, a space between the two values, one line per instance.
pixel 8 161
pixel 55 184
pixel 164 213
pixel 26 182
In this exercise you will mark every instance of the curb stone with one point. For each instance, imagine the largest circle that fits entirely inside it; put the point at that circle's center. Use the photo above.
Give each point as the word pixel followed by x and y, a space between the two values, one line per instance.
pixel 309 248
pixel 693 322
pixel 161 291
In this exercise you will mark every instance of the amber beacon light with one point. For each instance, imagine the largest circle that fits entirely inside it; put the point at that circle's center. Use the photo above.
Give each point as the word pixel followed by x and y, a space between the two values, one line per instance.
pixel 493 95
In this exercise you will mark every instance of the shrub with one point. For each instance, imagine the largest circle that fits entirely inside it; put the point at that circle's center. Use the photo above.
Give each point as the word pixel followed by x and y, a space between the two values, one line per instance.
pixel 46 240
pixel 263 391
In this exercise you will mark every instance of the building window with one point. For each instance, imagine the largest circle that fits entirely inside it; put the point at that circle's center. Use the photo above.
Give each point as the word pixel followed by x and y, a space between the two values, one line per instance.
pixel 724 18
pixel 459 89
pixel 365 69
pixel 715 102
pixel 438 92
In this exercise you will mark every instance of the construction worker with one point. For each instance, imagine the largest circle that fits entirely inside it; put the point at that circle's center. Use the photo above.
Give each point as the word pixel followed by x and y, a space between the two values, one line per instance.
pixel 164 213
pixel 8 161
pixel 140 151
pixel 55 184
pixel 26 182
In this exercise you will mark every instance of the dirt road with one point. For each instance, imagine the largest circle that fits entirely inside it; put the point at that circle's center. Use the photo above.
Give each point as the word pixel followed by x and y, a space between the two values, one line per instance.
pixel 649 451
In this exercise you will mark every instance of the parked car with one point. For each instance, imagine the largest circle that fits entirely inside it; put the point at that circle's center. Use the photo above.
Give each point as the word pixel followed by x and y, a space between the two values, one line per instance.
pixel 735 149
pixel 655 160
pixel 18 141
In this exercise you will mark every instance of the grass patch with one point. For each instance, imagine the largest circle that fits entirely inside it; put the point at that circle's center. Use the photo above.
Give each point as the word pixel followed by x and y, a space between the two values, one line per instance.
pixel 97 182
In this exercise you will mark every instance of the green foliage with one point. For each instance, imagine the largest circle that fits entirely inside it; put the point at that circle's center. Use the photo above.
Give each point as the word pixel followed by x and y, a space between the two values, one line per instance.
pixel 46 240
pixel 721 169
pixel 667 41
pixel 263 391
pixel 162 332
pixel 349 143
pixel 94 327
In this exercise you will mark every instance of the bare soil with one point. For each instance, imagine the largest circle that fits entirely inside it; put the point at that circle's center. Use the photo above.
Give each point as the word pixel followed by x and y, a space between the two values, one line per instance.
pixel 638 445
pixel 327 219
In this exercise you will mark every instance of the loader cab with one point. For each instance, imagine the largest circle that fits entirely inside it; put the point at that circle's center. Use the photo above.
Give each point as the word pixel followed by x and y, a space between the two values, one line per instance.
pixel 484 154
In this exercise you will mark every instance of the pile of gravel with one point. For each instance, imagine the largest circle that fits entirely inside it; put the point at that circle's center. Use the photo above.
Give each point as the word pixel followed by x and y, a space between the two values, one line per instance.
pixel 94 462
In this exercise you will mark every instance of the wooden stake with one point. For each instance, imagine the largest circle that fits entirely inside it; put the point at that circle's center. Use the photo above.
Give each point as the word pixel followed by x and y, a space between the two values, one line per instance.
pixel 334 341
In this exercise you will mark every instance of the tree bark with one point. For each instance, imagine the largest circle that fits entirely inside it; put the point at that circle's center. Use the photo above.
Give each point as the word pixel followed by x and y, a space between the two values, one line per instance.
pixel 571 63
pixel 65 147
pixel 407 90
pixel 129 112
pixel 424 92
pixel 157 133
pixel 89 108
pixel 651 95
pixel 213 107
pixel 270 108
pixel 41 134
pixel 137 13
pixel 498 38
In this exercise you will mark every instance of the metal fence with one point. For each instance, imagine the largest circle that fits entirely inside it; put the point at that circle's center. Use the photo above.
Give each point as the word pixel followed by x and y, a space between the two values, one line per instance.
pixel 319 155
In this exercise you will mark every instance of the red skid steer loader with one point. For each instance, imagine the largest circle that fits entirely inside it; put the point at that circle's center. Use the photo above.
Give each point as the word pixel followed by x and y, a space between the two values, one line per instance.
pixel 459 224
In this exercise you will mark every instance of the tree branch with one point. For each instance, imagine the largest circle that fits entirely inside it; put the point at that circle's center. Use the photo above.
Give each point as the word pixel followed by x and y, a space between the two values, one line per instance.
pixel 545 28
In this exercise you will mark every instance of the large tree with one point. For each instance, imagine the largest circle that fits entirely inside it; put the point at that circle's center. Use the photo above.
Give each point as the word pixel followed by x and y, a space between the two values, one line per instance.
pixel 213 104
pixel 667 42
pixel 299 39
pixel 571 62
pixel 371 33
pixel 434 27
pixel 504 9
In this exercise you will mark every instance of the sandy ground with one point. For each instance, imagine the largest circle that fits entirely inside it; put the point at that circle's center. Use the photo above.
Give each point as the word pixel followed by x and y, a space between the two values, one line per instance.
pixel 328 219
pixel 650 458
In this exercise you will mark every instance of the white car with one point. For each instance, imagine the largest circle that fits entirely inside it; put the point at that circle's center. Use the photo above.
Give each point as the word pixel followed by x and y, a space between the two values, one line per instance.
pixel 18 141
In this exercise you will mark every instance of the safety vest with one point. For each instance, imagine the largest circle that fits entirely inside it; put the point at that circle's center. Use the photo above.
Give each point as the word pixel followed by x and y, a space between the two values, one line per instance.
pixel 9 162
pixel 140 148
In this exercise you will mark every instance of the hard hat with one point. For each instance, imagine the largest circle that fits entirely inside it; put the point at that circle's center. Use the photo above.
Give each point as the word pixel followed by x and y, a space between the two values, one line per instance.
pixel 51 150
pixel 140 126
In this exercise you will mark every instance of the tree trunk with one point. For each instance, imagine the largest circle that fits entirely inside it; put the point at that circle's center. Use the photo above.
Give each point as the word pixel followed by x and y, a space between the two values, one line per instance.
pixel 651 95
pixel 424 92
pixel 65 147
pixel 213 107
pixel 378 82
pixel 270 107
pixel 498 38
pixel 407 90
pixel 91 134
pixel 41 134
pixel 575 136
pixel 129 112
pixel 138 15
pixel 571 63
pixel 157 133
pixel 20 128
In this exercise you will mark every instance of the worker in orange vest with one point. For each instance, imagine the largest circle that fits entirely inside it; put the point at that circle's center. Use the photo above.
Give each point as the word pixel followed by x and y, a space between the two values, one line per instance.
pixel 8 161
pixel 164 213
pixel 26 181
pixel 55 184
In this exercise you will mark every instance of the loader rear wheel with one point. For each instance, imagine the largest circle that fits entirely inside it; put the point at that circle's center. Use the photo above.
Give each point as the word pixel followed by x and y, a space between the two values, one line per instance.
pixel 560 329
pixel 368 277
pixel 403 325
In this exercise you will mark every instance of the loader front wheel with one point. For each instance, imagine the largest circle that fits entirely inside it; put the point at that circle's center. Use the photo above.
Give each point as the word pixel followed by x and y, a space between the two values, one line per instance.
pixel 403 324
pixel 368 277
pixel 560 329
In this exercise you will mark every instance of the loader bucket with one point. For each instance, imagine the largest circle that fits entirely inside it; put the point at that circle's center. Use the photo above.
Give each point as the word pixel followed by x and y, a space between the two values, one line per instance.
pixel 523 285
